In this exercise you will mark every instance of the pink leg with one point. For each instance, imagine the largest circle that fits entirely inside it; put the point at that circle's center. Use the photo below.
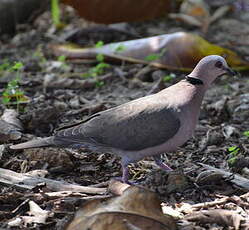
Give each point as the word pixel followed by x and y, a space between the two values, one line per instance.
pixel 125 174
pixel 161 164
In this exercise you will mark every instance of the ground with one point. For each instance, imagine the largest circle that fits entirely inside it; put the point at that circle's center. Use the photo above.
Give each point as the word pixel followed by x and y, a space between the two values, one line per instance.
pixel 223 122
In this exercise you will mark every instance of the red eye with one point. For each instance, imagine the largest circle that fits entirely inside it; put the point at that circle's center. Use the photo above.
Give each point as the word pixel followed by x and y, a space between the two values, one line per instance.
pixel 218 64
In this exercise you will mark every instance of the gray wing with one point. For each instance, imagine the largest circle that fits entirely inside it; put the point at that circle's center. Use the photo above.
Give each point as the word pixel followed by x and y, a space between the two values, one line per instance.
pixel 132 126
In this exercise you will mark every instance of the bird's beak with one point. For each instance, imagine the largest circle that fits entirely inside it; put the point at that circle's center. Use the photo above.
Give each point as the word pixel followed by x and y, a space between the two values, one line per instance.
pixel 229 71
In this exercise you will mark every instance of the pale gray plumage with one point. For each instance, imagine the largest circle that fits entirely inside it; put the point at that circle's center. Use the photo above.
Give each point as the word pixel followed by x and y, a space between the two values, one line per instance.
pixel 147 126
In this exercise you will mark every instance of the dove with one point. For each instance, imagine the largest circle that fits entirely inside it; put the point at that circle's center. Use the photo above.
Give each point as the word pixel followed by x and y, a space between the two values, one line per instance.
pixel 147 126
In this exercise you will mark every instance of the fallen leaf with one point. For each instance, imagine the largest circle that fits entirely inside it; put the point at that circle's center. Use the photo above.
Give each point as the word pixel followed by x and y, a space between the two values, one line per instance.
pixel 197 13
pixel 181 51
pixel 10 126
pixel 136 208
pixel 219 216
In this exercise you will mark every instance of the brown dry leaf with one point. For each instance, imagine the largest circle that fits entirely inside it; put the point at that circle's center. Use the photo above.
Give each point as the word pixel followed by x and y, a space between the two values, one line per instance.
pixel 180 51
pixel 197 13
pixel 137 208
pixel 113 11
pixel 193 12
pixel 10 126
pixel 219 216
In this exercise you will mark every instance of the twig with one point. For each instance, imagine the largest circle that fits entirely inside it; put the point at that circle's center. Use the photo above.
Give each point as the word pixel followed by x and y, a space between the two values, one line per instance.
pixel 25 181
pixel 236 179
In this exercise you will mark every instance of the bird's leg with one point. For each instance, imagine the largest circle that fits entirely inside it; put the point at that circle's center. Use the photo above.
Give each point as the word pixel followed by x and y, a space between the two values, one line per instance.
pixel 125 161
pixel 125 174
pixel 161 164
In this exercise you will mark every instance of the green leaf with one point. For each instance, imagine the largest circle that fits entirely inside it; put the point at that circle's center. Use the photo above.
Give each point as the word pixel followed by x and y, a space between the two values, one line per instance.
pixel 99 83
pixel 17 66
pixel 13 93
pixel 102 65
pixel 169 77
pixel 62 58
pixel 233 150
pixel 152 57
pixel 232 160
pixel 86 75
pixel 55 11
pixel 5 66
pixel 100 57
pixel 99 44
pixel 5 100
pixel 120 48
pixel 246 133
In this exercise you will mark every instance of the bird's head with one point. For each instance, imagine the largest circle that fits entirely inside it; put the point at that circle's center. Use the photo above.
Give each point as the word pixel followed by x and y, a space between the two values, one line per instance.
pixel 209 68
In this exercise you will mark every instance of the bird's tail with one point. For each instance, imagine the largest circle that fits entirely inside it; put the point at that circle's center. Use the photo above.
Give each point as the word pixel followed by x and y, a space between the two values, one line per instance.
pixel 43 142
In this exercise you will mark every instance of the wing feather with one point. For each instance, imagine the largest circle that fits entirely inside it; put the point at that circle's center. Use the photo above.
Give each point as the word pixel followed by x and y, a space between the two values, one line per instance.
pixel 132 126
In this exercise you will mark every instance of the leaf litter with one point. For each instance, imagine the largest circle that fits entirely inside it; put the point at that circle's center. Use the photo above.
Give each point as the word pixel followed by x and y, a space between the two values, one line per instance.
pixel 196 197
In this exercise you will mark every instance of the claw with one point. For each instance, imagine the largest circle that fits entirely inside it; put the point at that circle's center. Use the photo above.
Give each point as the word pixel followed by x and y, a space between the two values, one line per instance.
pixel 161 164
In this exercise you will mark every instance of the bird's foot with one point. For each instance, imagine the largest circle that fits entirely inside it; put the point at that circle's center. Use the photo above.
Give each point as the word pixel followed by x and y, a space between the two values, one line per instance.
pixel 161 164
pixel 125 176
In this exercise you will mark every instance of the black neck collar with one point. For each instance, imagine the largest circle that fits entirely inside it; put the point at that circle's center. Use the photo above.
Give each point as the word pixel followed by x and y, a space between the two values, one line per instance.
pixel 194 81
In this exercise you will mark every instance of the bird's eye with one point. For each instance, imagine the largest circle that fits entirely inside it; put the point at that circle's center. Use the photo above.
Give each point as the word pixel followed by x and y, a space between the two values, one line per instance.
pixel 218 64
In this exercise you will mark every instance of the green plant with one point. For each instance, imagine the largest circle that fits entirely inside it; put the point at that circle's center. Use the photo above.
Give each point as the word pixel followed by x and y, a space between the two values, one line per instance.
pixel 152 57
pixel 99 83
pixel 120 48
pixel 169 77
pixel 99 44
pixel 5 65
pixel 233 150
pixel 40 56
pixel 13 95
pixel 17 67
pixel 233 154
pixel 98 69
pixel 246 133
pixel 155 56
pixel 55 12
pixel 61 58
pixel 100 58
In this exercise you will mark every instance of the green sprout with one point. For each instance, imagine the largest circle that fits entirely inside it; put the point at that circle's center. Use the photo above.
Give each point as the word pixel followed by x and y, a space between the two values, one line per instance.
pixel 5 65
pixel 152 57
pixel 11 92
pixel 55 12
pixel 99 44
pixel 62 58
pixel 233 150
pixel 233 154
pixel 246 133
pixel 99 83
pixel 169 77
pixel 17 67
pixel 100 57
pixel 98 69
pixel 155 56
pixel 13 95
pixel 40 55
pixel 120 48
